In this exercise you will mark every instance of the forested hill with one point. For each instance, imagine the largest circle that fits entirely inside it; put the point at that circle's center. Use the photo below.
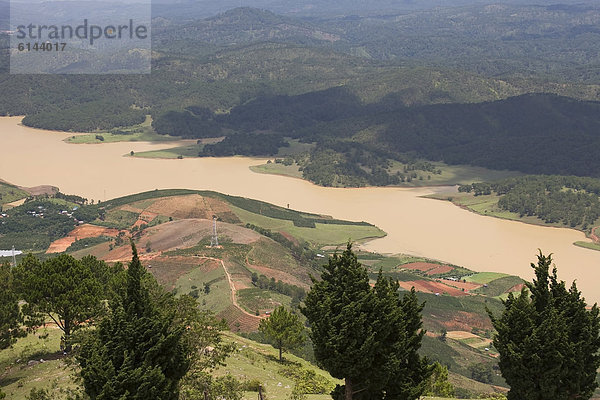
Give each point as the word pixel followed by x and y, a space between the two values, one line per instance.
pixel 246 53
pixel 556 42
pixel 246 25
pixel 535 133
pixel 541 134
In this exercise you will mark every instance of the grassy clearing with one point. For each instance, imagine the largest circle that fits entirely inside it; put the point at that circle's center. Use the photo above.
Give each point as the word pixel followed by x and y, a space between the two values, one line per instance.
pixel 322 234
pixel 172 153
pixel 484 205
pixel 453 175
pixel 588 245
pixel 487 205
pixel 498 286
pixel 137 133
pixel 22 370
pixel 259 361
pixel 484 277
pixel 256 299
pixel 219 297
pixel 119 219
pixel 278 169
pixel 269 253
pixel 10 193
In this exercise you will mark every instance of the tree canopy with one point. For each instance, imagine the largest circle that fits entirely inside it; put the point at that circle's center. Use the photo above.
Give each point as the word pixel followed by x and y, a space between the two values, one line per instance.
pixel 547 340
pixel 10 315
pixel 283 329
pixel 62 288
pixel 367 336
pixel 138 351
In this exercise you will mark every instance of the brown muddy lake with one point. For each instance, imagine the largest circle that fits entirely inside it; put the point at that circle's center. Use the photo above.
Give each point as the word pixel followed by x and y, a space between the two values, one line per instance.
pixel 415 225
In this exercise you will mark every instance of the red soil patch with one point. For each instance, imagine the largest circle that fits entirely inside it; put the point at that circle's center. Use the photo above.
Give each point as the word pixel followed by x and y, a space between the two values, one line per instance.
pixel 432 287
pixel 516 288
pixel 442 269
pixel 80 232
pixel 145 218
pixel 420 266
pixel 461 321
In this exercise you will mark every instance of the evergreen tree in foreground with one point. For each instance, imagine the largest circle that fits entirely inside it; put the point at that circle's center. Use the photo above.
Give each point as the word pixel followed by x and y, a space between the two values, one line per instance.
pixel 283 329
pixel 548 341
pixel 138 351
pixel 367 336
pixel 10 315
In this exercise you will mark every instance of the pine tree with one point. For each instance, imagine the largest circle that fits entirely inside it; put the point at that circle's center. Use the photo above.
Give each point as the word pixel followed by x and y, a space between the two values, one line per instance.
pixel 10 315
pixel 367 336
pixel 547 340
pixel 283 329
pixel 137 352
pixel 61 288
pixel 438 384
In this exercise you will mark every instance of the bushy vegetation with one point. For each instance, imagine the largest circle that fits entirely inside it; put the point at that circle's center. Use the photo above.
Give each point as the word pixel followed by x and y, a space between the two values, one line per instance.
pixel 246 145
pixel 570 200
pixel 87 116
pixel 187 124
pixel 295 292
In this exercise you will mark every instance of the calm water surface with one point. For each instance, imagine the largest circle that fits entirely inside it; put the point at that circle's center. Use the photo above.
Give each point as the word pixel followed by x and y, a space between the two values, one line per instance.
pixel 414 225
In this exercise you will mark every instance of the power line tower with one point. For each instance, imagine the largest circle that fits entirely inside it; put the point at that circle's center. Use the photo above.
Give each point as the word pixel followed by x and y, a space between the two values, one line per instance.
pixel 214 241
pixel 13 257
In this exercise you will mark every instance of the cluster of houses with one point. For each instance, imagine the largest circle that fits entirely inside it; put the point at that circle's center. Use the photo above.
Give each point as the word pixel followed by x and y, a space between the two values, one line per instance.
pixel 39 213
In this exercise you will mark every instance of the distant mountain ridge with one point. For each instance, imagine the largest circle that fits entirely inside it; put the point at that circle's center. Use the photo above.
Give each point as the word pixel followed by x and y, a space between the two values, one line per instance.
pixel 247 25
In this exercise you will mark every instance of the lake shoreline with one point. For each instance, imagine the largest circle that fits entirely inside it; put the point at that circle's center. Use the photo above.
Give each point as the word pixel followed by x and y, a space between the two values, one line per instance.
pixel 432 229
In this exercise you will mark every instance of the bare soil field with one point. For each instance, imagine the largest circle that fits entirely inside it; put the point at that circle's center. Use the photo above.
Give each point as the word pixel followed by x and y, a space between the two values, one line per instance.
pixel 442 269
pixel 428 268
pixel 183 234
pixel 459 321
pixel 432 287
pixel 461 335
pixel 190 206
pixel 81 232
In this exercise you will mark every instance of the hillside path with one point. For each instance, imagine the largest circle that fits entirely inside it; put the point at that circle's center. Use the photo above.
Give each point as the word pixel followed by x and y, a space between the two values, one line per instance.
pixel 232 287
